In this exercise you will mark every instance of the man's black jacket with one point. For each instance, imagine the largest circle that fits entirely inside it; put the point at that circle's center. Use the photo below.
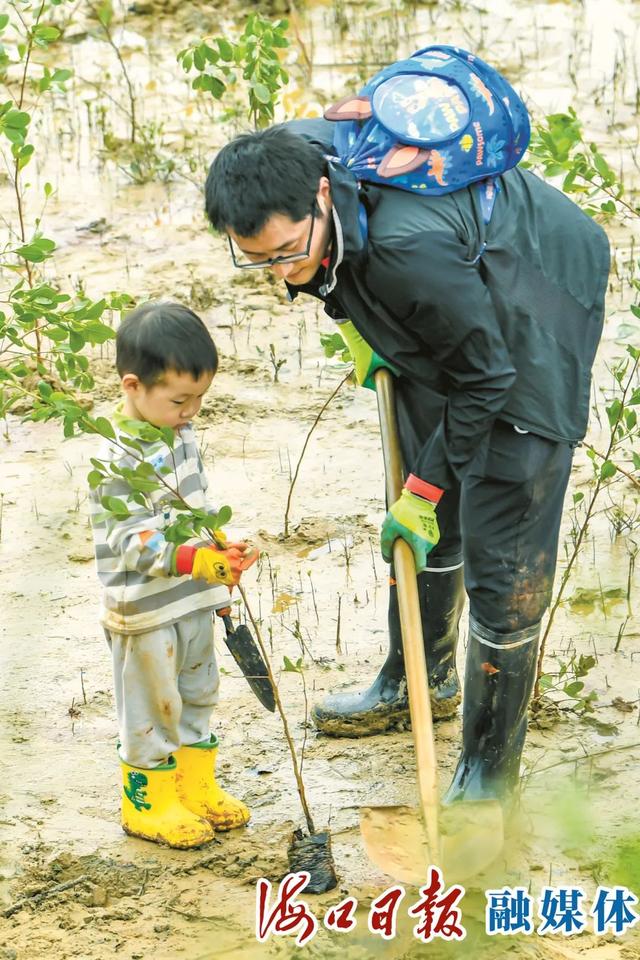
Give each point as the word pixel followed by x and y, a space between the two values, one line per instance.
pixel 499 320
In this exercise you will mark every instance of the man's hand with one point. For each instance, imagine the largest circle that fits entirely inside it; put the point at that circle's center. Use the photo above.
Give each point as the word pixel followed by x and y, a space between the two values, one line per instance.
pixel 366 361
pixel 413 518
pixel 215 565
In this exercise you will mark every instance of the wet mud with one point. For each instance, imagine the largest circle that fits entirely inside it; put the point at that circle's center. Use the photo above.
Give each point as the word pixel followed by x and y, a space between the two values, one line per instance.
pixel 72 884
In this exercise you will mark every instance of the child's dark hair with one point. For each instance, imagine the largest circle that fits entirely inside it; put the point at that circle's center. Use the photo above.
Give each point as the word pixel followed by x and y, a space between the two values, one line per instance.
pixel 160 336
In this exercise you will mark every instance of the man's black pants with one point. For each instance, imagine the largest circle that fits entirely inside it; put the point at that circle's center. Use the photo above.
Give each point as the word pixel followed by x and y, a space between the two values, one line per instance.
pixel 503 520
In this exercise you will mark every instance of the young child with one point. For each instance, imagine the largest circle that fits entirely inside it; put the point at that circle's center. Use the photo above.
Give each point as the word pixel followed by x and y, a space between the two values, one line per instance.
pixel 158 598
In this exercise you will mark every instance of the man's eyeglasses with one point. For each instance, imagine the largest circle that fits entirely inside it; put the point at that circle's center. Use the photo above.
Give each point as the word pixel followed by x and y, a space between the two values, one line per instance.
pixel 272 261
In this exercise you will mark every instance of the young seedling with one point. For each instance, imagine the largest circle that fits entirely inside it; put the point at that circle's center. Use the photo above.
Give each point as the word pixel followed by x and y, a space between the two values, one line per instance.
pixel 276 362
pixel 104 15
pixel 315 423
pixel 254 55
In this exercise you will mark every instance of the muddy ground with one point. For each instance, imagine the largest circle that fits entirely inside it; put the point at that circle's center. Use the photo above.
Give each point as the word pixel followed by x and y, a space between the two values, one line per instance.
pixel 320 593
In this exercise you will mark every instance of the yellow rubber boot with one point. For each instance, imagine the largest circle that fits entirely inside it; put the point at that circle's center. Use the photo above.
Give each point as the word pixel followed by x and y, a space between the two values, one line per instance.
pixel 198 790
pixel 151 808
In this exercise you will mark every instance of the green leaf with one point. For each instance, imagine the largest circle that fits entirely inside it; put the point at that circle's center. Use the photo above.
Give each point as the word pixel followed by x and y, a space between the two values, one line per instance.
pixel 116 506
pixel 95 479
pixel 577 497
pixel 225 48
pixel 76 341
pixel 105 13
pixel 573 689
pixel 290 667
pixel 607 470
pixel 261 92
pixel 200 57
pixel 223 516
pixel 4 20
pixel 587 662
pixel 96 332
pixel 546 681
pixel 104 428
pixel 57 334
pixel 613 411
pixel 44 389
pixel 168 436
pixel 46 34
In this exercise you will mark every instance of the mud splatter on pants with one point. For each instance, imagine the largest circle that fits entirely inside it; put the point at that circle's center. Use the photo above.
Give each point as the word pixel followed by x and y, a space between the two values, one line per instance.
pixel 166 685
pixel 503 520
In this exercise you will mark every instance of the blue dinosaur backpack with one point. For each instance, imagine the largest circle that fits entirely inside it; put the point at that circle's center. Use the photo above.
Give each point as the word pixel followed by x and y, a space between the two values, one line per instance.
pixel 433 123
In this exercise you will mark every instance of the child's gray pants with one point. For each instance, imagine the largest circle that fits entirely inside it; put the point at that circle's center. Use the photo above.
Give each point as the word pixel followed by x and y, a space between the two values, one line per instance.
pixel 166 685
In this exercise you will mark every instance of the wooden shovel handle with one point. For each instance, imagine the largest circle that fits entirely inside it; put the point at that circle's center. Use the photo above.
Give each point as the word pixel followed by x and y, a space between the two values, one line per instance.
pixel 410 622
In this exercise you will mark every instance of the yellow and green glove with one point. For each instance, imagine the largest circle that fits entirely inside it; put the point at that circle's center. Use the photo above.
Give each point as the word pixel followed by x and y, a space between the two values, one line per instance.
pixel 365 360
pixel 413 518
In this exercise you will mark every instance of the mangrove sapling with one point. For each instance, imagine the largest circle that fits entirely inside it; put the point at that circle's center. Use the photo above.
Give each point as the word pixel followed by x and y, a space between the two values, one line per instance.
pixel 255 54
pixel 44 333
pixel 103 13
pixel 315 423
pixel 313 852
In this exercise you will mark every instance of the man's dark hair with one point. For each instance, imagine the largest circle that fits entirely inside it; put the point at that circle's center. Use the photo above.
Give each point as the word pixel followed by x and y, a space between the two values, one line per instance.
pixel 160 336
pixel 259 174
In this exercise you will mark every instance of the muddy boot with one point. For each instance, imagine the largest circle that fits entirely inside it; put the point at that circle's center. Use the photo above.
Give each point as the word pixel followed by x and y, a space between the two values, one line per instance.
pixel 385 705
pixel 499 678
pixel 198 790
pixel 151 808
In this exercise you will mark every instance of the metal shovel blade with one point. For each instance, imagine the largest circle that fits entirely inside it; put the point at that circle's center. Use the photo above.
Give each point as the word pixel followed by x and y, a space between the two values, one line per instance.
pixel 395 839
pixel 246 654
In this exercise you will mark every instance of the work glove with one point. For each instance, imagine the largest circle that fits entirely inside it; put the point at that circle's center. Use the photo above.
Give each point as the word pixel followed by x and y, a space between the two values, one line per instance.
pixel 214 565
pixel 365 360
pixel 413 518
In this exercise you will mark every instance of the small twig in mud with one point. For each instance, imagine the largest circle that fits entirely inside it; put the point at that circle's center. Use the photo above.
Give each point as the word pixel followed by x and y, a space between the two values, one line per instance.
pixel 304 448
pixel 313 596
pixel 587 756
pixel 40 895
pixel 306 720
pixel 143 885
pixel 373 561
pixel 338 644
pixel 347 554
pixel 622 628
pixel 275 361
pixel 84 695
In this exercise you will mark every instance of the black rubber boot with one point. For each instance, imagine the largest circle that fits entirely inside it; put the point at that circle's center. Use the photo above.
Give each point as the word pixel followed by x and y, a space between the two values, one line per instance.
pixel 499 678
pixel 385 705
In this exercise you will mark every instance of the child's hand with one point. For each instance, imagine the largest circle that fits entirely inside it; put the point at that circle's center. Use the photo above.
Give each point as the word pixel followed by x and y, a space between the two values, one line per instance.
pixel 218 566
pixel 214 565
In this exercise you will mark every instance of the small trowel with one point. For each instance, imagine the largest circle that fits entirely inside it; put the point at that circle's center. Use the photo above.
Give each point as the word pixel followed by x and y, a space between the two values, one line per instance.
pixel 246 654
